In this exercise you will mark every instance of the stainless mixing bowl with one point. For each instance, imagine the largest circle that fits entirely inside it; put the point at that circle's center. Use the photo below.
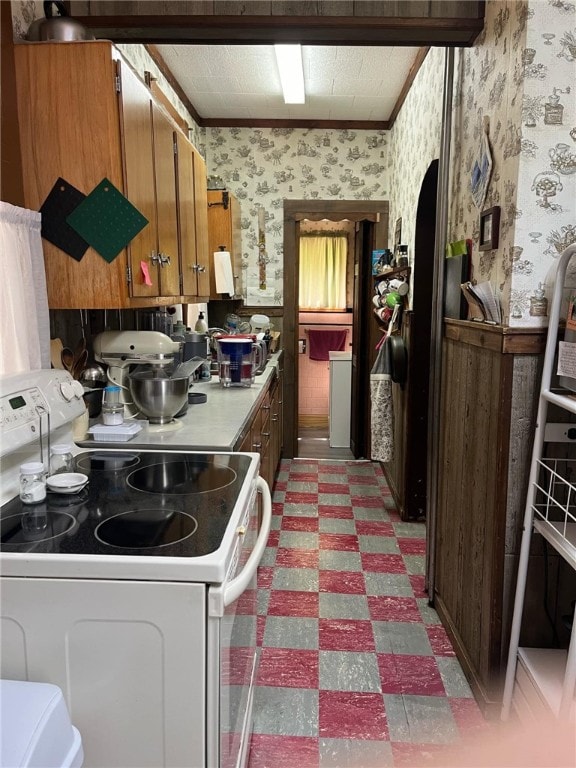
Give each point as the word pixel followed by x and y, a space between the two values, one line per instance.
pixel 158 399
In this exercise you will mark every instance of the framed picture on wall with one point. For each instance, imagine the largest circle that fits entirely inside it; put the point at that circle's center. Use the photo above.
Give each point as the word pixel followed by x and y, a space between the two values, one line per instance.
pixel 489 228
pixel 398 232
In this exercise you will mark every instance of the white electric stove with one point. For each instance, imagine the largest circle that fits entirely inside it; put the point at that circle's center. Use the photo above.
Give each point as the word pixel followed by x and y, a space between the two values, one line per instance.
pixel 137 595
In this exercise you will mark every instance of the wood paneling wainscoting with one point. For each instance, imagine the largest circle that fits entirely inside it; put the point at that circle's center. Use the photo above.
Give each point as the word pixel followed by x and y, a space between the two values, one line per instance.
pixel 490 381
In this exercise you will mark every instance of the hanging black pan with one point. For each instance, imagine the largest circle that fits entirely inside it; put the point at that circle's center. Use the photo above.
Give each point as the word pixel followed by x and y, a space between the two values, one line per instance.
pixel 398 359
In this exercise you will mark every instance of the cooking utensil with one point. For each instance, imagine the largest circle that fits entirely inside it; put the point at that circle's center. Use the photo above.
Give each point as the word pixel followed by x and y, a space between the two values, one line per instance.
pixel 56 348
pixel 79 364
pixel 61 28
pixel 158 399
pixel 67 357
pixel 94 374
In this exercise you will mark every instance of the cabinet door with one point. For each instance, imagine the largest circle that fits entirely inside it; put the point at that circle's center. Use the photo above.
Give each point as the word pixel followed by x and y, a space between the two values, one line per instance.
pixel 69 128
pixel 219 232
pixel 165 174
pixel 192 219
pixel 136 106
pixel 201 201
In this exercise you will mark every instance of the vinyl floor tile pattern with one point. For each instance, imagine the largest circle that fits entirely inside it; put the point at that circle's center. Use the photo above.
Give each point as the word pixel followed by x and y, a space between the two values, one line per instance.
pixel 356 670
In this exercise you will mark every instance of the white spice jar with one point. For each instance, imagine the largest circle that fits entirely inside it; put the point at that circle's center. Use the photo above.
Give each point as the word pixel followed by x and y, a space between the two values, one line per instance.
pixel 32 482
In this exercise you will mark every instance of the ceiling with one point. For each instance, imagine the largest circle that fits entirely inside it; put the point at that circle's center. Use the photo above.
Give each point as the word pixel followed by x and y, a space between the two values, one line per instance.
pixel 241 82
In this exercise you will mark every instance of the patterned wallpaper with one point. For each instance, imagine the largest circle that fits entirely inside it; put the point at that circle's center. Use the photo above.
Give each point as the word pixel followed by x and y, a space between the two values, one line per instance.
pixel 520 75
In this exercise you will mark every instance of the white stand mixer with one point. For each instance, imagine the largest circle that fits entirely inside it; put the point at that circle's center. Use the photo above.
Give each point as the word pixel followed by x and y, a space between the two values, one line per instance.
pixel 122 349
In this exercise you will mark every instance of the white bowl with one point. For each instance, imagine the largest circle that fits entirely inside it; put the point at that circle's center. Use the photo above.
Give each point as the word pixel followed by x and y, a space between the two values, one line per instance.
pixel 67 482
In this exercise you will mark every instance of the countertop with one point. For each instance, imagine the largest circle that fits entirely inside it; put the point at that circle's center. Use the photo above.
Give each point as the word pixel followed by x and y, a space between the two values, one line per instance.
pixel 215 425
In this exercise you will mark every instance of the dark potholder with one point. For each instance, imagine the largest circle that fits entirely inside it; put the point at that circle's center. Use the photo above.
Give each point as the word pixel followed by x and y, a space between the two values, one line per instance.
pixel 107 220
pixel 61 201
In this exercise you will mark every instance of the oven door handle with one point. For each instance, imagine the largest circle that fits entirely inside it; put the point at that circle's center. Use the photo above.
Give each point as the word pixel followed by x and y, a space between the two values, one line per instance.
pixel 220 597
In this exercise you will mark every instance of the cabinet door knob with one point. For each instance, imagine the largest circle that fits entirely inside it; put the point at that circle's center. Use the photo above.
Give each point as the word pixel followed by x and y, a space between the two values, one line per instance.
pixel 164 260
pixel 198 268
pixel 154 258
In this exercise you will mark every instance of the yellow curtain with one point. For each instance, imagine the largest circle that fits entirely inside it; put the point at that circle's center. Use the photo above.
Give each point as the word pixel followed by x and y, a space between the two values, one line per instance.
pixel 323 272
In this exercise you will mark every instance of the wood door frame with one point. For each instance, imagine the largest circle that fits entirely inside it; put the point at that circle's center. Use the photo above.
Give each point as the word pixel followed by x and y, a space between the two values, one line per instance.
pixel 375 211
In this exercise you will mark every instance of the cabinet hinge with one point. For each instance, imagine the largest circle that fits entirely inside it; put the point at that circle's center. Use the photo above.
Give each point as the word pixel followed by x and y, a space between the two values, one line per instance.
pixel 117 83
pixel 128 274
pixel 175 147
pixel 181 284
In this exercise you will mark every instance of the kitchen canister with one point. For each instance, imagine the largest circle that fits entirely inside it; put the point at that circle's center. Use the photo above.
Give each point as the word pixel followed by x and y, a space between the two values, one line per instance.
pixel 32 482
pixel 61 459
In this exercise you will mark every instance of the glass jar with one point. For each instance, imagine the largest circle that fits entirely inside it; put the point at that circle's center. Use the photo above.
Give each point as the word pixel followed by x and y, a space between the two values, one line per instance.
pixel 61 459
pixel 112 408
pixel 32 482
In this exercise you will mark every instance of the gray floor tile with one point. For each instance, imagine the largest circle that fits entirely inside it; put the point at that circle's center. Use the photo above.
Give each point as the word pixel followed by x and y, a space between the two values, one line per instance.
pixel 415 564
pixel 291 632
pixel 410 530
pixel 401 637
pixel 355 753
pixel 420 719
pixel 335 606
pixel 388 584
pixel 455 683
pixel 336 525
pixel 300 510
pixel 263 600
pixel 365 490
pixel 269 556
pixel 305 487
pixel 298 540
pixel 331 477
pixel 429 614
pixel 349 671
pixel 279 496
pixel 382 544
pixel 334 560
pixel 334 499
pixel 276 522
pixel 301 579
pixel 370 513
pixel 285 711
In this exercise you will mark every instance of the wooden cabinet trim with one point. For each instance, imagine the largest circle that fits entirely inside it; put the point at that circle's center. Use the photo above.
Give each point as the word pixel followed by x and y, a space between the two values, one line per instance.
pixel 497 338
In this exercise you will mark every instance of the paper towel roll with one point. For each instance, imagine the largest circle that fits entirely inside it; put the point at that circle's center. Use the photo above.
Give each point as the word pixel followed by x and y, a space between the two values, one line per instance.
pixel 223 273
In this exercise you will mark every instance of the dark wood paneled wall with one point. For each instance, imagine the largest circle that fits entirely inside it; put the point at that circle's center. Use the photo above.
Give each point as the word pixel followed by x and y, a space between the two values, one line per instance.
pixel 479 391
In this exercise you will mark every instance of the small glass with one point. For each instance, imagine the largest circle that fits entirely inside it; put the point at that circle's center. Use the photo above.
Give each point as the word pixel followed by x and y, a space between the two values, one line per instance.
pixel 112 408
pixel 61 459
pixel 32 482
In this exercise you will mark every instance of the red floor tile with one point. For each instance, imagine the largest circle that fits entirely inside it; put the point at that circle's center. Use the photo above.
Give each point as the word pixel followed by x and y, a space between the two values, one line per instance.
pixel 339 488
pixel 285 602
pixel 246 605
pixel 345 635
pixel 374 528
pixel 277 508
pixel 361 480
pixel 288 668
pixel 298 497
pixel 417 675
pixel 439 640
pixel 418 583
pixel 394 609
pixel 237 669
pixel 412 546
pixel 468 716
pixel 297 523
pixel 381 563
pixel 344 582
pixel 283 751
pixel 273 538
pixel 260 627
pixel 352 715
pixel 304 477
pixel 297 558
pixel 265 576
pixel 417 755
pixel 280 485
pixel 331 469
pixel 373 502
pixel 333 510
pixel 344 542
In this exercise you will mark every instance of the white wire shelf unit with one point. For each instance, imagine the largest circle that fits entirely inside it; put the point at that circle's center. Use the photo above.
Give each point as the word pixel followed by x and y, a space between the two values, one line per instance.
pixel 542 681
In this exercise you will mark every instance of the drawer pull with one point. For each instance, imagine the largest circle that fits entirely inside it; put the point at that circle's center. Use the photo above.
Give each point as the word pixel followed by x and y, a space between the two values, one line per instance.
pixel 265 434
pixel 257 446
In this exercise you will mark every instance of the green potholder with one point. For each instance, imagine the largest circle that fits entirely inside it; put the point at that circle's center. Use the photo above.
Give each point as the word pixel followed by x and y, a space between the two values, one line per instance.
pixel 107 220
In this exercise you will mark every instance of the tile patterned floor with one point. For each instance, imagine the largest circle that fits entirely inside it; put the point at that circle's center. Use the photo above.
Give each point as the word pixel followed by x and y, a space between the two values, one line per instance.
pixel 355 668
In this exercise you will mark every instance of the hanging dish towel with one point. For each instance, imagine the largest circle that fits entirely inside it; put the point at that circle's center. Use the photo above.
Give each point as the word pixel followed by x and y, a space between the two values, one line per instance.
pixel 382 413
pixel 323 342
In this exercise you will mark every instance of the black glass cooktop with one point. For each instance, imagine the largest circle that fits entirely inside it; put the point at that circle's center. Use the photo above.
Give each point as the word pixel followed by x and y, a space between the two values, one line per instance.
pixel 174 505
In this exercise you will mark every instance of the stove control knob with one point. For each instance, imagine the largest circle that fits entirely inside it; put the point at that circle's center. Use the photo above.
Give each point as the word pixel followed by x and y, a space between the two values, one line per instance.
pixel 67 390
pixel 78 389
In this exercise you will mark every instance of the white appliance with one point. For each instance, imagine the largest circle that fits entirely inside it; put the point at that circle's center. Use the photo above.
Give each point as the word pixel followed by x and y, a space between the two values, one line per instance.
pixel 340 396
pixel 137 596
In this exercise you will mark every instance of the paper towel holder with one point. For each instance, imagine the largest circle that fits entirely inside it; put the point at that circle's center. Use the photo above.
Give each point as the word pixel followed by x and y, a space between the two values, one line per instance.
pixel 224 203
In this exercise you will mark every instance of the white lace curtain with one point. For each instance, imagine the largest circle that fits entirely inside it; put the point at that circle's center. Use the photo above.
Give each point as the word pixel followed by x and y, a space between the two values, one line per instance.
pixel 25 335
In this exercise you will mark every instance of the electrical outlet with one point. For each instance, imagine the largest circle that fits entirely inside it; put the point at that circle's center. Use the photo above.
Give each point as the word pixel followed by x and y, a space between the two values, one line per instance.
pixel 302 346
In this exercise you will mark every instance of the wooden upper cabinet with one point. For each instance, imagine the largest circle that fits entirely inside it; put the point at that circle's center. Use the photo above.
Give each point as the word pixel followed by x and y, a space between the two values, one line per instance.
pixel 192 219
pixel 70 128
pixel 224 230
pixel 165 175
pixel 84 116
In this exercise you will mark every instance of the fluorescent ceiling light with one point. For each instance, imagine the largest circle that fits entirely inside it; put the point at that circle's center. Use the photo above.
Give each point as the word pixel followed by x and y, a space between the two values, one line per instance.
pixel 289 60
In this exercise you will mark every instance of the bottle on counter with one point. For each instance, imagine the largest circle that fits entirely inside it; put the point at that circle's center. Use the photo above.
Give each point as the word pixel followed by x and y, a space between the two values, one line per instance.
pixel 32 482
pixel 201 326
pixel 112 408
pixel 61 459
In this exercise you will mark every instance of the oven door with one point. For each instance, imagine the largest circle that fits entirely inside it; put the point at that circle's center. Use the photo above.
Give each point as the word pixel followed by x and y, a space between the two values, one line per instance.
pixel 231 650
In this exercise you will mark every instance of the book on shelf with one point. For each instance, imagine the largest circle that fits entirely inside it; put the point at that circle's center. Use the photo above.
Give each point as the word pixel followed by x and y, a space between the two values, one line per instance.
pixel 483 304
